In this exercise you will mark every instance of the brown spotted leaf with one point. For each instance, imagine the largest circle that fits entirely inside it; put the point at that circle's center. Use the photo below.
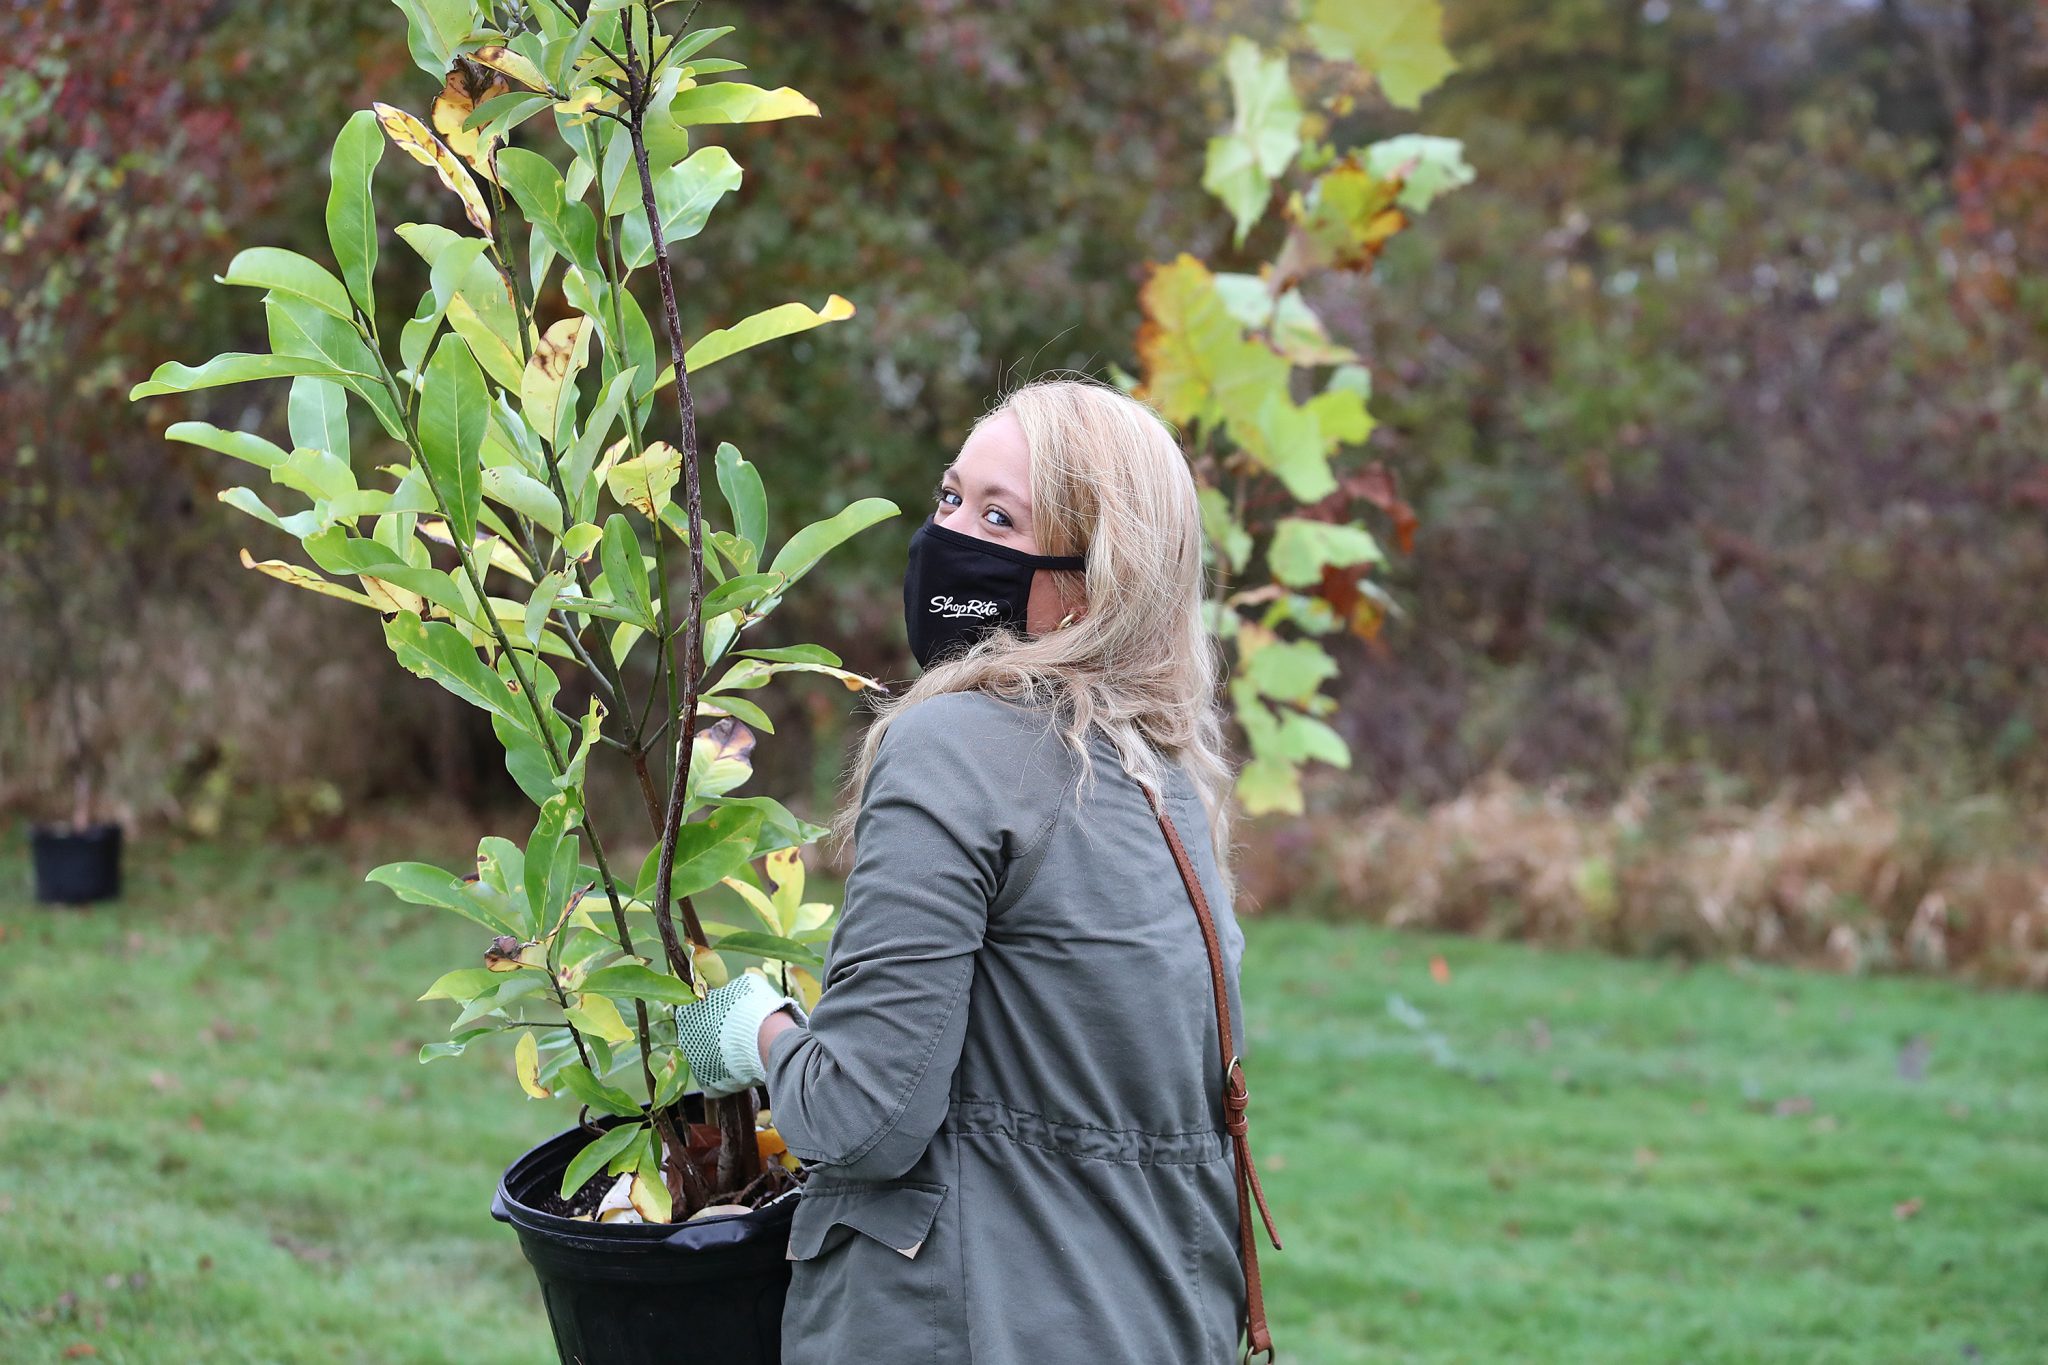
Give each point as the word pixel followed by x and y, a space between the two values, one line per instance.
pixel 417 141
pixel 467 86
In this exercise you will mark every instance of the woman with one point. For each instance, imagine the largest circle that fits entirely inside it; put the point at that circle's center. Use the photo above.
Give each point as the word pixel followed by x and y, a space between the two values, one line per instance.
pixel 1011 1092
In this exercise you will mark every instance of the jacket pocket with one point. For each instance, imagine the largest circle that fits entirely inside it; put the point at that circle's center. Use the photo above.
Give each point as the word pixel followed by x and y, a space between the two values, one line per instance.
pixel 899 1214
pixel 858 1288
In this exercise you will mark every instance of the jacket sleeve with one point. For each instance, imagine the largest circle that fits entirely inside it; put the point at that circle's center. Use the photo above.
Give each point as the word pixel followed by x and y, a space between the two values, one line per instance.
pixel 950 803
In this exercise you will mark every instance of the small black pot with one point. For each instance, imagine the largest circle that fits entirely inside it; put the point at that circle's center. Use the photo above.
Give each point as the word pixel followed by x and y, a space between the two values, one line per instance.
pixel 669 1293
pixel 76 866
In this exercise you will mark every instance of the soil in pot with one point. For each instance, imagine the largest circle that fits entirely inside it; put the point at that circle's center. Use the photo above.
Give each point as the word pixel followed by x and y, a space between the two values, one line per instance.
pixel 76 866
pixel 711 1289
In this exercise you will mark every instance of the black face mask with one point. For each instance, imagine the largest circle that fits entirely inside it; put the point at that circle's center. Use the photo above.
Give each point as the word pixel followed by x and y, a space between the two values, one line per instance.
pixel 958 588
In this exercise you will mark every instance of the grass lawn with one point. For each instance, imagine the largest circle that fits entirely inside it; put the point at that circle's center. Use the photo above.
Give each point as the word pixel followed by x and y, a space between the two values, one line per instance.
pixel 216 1145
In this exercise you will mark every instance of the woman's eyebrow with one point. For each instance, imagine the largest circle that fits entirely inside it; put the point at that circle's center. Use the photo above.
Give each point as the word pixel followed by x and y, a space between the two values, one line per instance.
pixel 993 490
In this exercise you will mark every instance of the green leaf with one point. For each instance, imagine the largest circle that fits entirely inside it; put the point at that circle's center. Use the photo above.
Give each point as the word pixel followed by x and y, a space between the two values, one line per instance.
pixel 455 272
pixel 1221 526
pixel 1269 786
pixel 815 541
pixel 707 852
pixel 1399 41
pixel 439 651
pixel 299 524
pixel 1300 548
pixel 625 570
pixel 551 860
pixel 779 827
pixel 454 1047
pixel 233 367
pixel 464 984
pixel 769 946
pixel 318 416
pixel 743 591
pixel 434 32
pixel 1427 167
pixel 337 550
pixel 589 1090
pixel 793 654
pixel 731 704
pixel 598 1154
pixel 631 981
pixel 351 207
pixel 298 328
pixel 423 884
pixel 770 324
pixel 1288 670
pixel 243 445
pixel 287 272
pixel 1265 133
pixel 533 181
pixel 451 431
pixel 737 102
pixel 740 484
pixel 684 196
pixel 524 494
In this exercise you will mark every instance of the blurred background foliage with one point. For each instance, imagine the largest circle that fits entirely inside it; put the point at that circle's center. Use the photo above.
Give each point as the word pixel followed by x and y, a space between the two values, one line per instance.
pixel 1721 393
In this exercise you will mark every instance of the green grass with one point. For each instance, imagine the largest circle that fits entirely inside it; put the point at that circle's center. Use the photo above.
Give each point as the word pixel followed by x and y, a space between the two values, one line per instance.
pixel 215 1143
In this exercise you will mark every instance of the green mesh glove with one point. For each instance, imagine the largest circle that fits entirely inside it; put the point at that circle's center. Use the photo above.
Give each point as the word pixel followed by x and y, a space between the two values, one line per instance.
pixel 720 1034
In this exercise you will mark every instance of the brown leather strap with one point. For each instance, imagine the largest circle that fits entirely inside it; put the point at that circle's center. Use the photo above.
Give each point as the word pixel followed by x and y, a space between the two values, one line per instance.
pixel 1236 1101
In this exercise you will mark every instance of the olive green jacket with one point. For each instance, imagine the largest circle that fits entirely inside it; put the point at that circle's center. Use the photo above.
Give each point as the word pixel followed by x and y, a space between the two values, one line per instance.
pixel 1009 1094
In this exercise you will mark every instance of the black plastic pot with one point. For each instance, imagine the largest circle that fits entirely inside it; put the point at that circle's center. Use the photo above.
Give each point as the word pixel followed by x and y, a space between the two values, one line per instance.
pixel 674 1293
pixel 76 866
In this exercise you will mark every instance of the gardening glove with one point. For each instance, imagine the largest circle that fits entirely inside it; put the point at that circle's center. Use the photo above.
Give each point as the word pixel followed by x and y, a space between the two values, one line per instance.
pixel 720 1034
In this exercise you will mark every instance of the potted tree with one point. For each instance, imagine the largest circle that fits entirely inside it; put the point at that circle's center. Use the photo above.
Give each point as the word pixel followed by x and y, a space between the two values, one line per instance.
pixel 532 473
pixel 76 855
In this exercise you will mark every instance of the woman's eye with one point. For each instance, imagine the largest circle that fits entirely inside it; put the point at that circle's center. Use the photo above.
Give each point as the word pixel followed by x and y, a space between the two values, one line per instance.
pixel 996 512
pixel 942 494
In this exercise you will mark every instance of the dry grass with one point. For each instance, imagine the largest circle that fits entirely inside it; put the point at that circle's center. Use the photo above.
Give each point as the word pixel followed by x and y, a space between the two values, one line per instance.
pixel 1874 878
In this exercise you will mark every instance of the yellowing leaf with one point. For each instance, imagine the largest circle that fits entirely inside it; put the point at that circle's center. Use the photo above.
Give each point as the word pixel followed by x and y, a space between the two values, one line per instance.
pixel 467 85
pixel 1199 365
pixel 305 578
pixel 526 1065
pixel 737 102
pixel 599 1017
pixel 577 108
pixel 759 903
pixel 807 988
pixel 511 65
pixel 1342 223
pixel 1399 41
pixel 650 1197
pixel 647 480
pixel 712 970
pixel 786 871
pixel 417 141
pixel 551 374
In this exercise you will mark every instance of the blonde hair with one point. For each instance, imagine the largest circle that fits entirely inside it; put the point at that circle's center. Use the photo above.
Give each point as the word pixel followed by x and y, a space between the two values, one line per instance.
pixel 1108 480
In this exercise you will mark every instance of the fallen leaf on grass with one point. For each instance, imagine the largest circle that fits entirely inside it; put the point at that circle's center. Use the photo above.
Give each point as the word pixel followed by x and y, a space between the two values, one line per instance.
pixel 1793 1104
pixel 1907 1209
pixel 80 1350
pixel 1439 970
